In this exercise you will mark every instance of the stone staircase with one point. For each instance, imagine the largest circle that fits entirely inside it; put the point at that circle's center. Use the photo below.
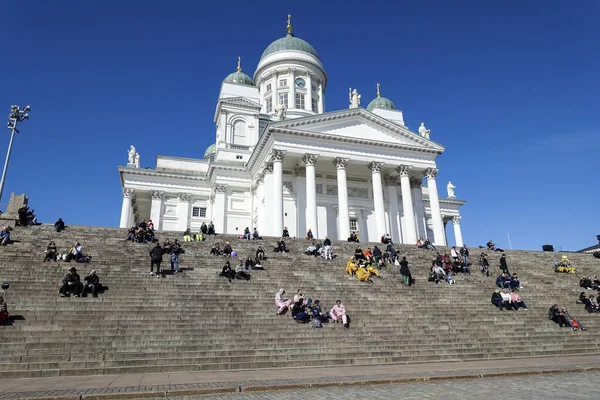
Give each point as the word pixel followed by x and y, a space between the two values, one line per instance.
pixel 197 320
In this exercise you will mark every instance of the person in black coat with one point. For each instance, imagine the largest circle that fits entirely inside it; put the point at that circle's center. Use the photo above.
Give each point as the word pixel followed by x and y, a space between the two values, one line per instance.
pixel 503 265
pixel 92 281
pixel 557 316
pixel 405 272
pixel 227 272
pixel 156 258
pixel 59 225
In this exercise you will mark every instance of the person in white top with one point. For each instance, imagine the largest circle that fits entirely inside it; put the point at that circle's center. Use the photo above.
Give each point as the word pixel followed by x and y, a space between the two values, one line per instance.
pixel 454 254
pixel 506 299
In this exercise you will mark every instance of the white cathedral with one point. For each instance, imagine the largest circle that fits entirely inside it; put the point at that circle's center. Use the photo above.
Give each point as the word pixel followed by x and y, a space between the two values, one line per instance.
pixel 280 160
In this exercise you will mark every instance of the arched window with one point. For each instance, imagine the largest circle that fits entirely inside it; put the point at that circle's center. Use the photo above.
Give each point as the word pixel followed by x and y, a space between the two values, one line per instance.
pixel 239 133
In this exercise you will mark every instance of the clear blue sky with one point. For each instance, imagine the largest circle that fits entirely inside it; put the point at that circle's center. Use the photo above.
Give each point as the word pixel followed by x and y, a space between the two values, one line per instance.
pixel 510 88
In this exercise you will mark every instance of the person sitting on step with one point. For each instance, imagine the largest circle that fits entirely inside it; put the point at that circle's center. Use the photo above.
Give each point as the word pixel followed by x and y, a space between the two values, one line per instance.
pixel 387 239
pixel 211 229
pixel 497 299
pixel 326 251
pixel 517 301
pixel 200 237
pixel 405 272
pixel 300 296
pixel 428 245
pixel 3 310
pixel 515 283
pixel 71 284
pixel 251 263
pixel 420 243
pixel 353 237
pixel 260 255
pixel 59 225
pixel 227 272
pixel 393 255
pixel 247 234
pixel 317 313
pixel 564 266
pixel 573 323
pixel 351 266
pixel 359 255
pixel 447 262
pixel 312 249
pixel 51 252
pixel 281 302
pixel 285 234
pixel 586 283
pixel 187 235
pixel 506 299
pixel 255 235
pixel 5 235
pixel 376 255
pixel 281 247
pixel 309 235
pixel 240 273
pixel 215 250
pixel 590 304
pixel 338 313
pixel 77 254
pixel 362 273
pixel 437 274
pixel 91 282
pixel 463 266
pixel 490 245
pixel 299 313
pixel 227 249
pixel 555 314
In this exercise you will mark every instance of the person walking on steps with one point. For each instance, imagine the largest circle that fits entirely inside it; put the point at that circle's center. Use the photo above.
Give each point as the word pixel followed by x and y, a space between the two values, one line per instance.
pixel 156 258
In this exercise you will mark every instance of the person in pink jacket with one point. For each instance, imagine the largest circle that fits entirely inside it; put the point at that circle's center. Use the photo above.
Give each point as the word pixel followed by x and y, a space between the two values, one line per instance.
pixel 282 303
pixel 338 312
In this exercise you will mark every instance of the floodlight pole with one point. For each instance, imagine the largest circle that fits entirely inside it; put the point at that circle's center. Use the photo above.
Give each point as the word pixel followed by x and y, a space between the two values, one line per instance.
pixel 16 115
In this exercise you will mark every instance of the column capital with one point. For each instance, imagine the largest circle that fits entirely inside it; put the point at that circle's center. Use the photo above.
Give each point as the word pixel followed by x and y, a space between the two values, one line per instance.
pixel 404 170
pixel 300 171
pixel 391 180
pixel 184 196
pixel 278 155
pixel 456 220
pixel 415 183
pixel 430 173
pixel 310 159
pixel 218 188
pixel 340 162
pixel 375 166
pixel 128 192
pixel 158 194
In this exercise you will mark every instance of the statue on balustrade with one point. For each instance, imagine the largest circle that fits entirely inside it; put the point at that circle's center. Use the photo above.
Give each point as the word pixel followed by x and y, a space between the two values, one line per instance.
pixel 424 131
pixel 450 189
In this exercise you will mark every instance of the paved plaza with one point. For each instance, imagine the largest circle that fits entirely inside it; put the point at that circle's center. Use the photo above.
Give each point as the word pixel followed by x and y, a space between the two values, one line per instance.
pixel 532 387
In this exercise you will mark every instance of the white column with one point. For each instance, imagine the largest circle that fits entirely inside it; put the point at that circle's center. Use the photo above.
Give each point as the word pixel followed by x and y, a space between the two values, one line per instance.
pixel 390 182
pixel 342 184
pixel 410 234
pixel 300 201
pixel 308 105
pixel 263 102
pixel 312 222
pixel 457 232
pixel 267 226
pixel 278 191
pixel 378 204
pixel 156 208
pixel 321 102
pixel 259 203
pixel 419 207
pixel 183 211
pixel 292 86
pixel 434 205
pixel 220 208
pixel 126 210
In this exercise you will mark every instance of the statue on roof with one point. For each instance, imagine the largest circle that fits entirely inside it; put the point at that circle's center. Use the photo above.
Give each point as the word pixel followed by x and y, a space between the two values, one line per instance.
pixel 281 110
pixel 424 131
pixel 354 98
pixel 137 159
pixel 450 187
pixel 131 155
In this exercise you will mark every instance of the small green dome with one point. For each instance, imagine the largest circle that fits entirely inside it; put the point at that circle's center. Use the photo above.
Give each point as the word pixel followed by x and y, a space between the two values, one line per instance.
pixel 210 150
pixel 289 42
pixel 381 102
pixel 240 78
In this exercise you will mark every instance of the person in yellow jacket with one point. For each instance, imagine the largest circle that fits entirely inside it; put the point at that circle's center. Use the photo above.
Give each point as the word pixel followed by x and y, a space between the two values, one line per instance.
pixel 372 270
pixel 351 266
pixel 363 275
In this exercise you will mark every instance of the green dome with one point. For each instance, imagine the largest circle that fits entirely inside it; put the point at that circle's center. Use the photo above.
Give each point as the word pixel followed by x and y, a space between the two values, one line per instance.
pixel 289 42
pixel 381 102
pixel 210 150
pixel 240 78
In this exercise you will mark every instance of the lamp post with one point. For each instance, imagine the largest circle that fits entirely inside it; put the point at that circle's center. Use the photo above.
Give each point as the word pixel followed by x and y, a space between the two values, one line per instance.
pixel 16 115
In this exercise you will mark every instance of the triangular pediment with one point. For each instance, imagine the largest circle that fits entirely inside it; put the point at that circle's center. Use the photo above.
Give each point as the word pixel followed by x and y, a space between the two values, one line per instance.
pixel 359 125
pixel 240 102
